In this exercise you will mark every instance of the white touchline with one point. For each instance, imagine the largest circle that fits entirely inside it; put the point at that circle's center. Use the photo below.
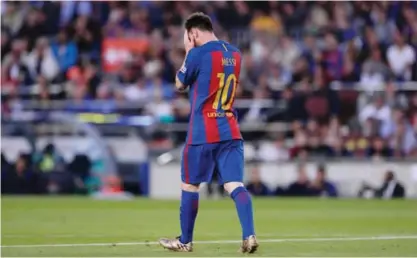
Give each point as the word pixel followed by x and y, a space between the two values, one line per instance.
pixel 224 241
pixel 263 235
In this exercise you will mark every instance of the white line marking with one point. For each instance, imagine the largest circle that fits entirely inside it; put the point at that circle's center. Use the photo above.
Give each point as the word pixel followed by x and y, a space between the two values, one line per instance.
pixel 224 241
pixel 206 234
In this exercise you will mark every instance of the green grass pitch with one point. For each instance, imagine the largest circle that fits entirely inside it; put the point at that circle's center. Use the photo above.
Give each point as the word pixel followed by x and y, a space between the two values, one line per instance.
pixel 64 226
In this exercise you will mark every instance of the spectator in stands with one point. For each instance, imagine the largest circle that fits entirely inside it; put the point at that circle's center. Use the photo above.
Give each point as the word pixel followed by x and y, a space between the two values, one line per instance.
pixel 274 151
pixel 156 87
pixel 339 150
pixel 388 128
pixel 331 132
pixel 349 72
pixel 323 103
pixel 5 42
pixel 43 87
pixel 316 148
pixel 85 75
pixel 383 27
pixel 286 53
pixel 399 132
pixel 295 67
pixel 41 61
pixel 80 169
pixel 250 71
pixel 295 101
pixel 318 18
pixel 138 21
pixel 309 51
pixel 65 52
pixel 14 69
pixel 407 22
pixel 313 128
pixel 278 78
pixel 390 188
pixel 378 149
pixel 300 70
pixel 49 160
pixel 161 109
pixel 370 43
pixel 70 9
pixel 332 59
pixel 300 139
pixel 321 186
pixel 256 110
pixel 377 110
pixel 181 114
pixel 128 75
pixel 294 16
pixel 20 179
pixel 86 35
pixel 255 185
pixel 401 58
pixel 411 112
pixel 301 187
pixel 52 12
pixel 12 16
pixel 374 71
pixel 394 97
pixel 117 19
pixel 136 91
pixel 33 27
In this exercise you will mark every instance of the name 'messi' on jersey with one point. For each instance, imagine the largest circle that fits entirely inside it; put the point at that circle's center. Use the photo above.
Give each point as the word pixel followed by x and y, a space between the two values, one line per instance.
pixel 228 61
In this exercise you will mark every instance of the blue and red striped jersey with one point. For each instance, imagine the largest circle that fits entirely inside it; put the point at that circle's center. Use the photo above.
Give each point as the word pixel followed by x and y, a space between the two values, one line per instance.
pixel 212 73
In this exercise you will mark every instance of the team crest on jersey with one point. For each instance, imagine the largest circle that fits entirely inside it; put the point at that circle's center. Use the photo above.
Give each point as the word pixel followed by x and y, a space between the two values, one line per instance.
pixel 183 69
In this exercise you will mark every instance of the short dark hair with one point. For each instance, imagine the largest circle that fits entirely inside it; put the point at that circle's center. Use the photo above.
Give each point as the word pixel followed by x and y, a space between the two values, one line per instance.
pixel 321 168
pixel 199 21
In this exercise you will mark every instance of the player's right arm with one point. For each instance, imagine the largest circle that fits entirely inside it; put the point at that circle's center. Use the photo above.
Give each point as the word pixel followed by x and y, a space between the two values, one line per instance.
pixel 187 74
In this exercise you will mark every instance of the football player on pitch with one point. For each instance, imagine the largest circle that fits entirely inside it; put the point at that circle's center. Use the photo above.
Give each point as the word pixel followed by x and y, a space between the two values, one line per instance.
pixel 211 71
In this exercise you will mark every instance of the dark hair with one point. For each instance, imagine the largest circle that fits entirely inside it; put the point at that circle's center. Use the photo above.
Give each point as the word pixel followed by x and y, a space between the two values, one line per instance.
pixel 321 168
pixel 199 21
pixel 390 174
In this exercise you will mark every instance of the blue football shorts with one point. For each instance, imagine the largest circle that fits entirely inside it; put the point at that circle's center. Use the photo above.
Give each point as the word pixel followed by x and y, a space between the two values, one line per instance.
pixel 200 162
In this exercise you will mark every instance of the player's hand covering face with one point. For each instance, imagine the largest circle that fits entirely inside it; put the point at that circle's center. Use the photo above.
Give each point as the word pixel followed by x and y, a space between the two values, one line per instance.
pixel 188 41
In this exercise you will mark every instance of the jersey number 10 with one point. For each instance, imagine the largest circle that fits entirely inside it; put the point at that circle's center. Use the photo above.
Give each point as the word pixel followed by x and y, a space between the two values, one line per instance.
pixel 223 90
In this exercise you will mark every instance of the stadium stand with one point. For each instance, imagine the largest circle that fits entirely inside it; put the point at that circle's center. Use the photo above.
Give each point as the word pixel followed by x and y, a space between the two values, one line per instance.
pixel 319 79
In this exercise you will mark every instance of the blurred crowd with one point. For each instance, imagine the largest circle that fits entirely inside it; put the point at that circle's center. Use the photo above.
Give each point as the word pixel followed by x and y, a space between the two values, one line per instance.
pixel 302 186
pixel 321 186
pixel 46 172
pixel 294 53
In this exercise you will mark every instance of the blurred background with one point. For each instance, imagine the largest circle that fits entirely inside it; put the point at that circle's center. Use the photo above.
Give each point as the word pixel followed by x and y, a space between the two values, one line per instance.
pixel 327 99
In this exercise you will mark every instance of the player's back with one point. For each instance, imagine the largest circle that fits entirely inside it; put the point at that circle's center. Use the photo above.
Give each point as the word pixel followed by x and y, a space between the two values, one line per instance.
pixel 212 94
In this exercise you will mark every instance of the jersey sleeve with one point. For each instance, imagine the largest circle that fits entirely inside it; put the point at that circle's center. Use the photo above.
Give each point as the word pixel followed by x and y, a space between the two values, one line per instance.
pixel 188 72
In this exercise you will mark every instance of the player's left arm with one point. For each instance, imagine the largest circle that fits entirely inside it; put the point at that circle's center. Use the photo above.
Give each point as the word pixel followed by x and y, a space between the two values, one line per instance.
pixel 188 71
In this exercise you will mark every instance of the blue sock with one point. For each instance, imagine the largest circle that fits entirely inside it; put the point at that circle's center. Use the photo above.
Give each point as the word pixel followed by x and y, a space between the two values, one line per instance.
pixel 188 214
pixel 243 204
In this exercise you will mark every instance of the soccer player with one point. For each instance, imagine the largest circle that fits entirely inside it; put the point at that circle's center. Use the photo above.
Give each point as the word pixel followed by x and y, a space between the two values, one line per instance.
pixel 211 71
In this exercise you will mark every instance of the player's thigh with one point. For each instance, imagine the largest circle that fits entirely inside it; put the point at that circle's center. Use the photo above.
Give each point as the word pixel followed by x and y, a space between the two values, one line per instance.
pixel 230 161
pixel 197 164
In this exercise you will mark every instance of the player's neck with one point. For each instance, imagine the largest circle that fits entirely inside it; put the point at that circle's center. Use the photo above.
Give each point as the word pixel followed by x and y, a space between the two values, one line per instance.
pixel 208 37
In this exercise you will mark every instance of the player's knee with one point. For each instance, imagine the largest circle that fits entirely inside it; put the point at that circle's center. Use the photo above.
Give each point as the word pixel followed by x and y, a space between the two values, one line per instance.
pixel 231 186
pixel 190 187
